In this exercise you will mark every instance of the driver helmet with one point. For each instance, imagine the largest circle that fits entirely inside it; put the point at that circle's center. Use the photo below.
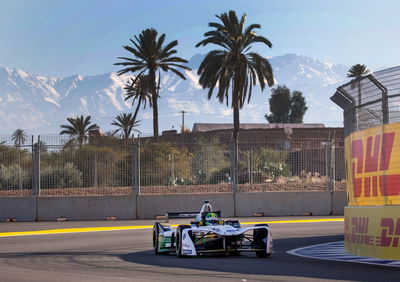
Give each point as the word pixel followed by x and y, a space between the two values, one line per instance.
pixel 211 219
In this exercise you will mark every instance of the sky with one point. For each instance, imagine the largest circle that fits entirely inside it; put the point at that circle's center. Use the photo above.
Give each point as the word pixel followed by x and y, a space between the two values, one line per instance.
pixel 60 38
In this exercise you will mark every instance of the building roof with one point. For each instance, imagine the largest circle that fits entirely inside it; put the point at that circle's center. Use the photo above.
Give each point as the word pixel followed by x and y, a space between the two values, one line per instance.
pixel 205 127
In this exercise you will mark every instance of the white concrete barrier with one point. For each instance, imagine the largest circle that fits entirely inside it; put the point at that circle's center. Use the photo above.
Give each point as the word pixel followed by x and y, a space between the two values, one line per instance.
pixel 283 203
pixel 149 206
pixel 339 201
pixel 87 207
pixel 20 208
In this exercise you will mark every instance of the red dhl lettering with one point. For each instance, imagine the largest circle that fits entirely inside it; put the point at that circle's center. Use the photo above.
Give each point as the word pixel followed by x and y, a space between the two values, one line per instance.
pixel 356 231
pixel 390 232
pixel 359 224
pixel 376 158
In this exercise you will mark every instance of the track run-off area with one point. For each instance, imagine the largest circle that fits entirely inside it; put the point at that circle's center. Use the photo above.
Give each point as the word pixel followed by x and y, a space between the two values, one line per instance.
pixel 122 251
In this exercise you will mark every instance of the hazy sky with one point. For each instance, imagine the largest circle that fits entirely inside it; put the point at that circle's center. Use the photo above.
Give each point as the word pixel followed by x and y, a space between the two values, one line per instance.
pixel 65 37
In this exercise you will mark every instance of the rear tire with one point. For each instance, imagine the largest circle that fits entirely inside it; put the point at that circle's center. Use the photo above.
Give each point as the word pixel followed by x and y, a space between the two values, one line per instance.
pixel 259 235
pixel 178 239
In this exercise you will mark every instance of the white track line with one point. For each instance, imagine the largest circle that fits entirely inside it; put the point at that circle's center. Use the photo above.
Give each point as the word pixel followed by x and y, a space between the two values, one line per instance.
pixel 335 252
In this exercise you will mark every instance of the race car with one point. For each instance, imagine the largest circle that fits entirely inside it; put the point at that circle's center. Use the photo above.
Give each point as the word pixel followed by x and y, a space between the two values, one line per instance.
pixel 209 234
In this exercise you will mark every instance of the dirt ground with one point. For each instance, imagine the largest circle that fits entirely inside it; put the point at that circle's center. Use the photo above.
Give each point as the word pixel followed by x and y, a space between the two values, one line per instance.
pixel 182 189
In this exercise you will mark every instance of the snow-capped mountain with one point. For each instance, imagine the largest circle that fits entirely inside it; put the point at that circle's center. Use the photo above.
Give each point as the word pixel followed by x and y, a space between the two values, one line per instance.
pixel 41 104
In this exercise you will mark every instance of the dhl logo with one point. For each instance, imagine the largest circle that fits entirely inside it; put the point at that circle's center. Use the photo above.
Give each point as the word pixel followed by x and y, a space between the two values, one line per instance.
pixel 374 160
pixel 356 231
pixel 390 232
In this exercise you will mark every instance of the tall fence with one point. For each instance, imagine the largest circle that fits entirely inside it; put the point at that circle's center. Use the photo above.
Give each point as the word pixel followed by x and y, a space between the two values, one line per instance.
pixel 370 101
pixel 299 159
pixel 16 164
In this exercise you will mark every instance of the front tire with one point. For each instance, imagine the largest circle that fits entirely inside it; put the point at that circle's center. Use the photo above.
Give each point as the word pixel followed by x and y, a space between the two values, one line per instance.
pixel 155 240
pixel 259 235
pixel 178 239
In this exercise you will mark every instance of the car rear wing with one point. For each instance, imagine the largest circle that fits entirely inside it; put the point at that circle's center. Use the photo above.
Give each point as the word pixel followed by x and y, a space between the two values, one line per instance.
pixel 169 215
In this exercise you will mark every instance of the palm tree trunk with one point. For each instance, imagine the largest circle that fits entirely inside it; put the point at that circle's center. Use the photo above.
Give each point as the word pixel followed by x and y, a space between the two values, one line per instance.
pixel 235 172
pixel 137 109
pixel 154 100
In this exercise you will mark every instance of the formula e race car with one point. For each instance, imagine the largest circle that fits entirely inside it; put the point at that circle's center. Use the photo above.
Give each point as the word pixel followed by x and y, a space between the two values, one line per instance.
pixel 209 234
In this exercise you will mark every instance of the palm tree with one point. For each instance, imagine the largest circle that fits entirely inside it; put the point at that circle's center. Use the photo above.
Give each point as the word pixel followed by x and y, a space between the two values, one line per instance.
pixel 19 137
pixel 79 128
pixel 126 124
pixel 139 90
pixel 234 65
pixel 150 56
pixel 357 72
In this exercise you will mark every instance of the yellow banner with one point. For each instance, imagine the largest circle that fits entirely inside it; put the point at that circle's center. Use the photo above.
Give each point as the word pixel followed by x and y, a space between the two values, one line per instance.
pixel 373 231
pixel 373 166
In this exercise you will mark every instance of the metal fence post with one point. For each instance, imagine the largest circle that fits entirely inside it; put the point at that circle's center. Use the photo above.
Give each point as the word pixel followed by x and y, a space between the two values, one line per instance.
pixel 36 168
pixel 136 167
pixel 332 164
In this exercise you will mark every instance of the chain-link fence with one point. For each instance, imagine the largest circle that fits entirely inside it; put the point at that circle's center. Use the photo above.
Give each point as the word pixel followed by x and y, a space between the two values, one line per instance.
pixel 277 159
pixel 16 164
pixel 371 100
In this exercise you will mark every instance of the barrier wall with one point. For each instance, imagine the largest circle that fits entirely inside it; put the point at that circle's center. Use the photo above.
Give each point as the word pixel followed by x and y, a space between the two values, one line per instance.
pixel 372 219
pixel 21 208
pixel 339 201
pixel 149 206
pixel 283 203
pixel 373 231
pixel 86 208
pixel 373 166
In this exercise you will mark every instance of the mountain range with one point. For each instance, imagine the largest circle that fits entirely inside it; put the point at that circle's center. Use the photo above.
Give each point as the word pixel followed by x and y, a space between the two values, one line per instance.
pixel 40 104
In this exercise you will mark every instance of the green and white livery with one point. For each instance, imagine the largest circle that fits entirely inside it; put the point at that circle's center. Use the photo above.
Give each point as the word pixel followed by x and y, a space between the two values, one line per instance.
pixel 209 234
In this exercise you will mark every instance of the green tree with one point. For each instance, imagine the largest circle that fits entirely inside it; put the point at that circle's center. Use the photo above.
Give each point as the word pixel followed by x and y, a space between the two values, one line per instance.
pixel 209 160
pixel 150 56
pixel 163 164
pixel 78 128
pixel 126 123
pixel 279 105
pixel 139 91
pixel 358 71
pixel 298 107
pixel 234 65
pixel 19 137
pixel 286 107
pixel 40 147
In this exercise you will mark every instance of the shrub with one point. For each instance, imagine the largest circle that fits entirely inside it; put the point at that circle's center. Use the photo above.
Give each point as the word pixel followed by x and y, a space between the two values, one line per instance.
pixel 162 164
pixel 210 158
pixel 272 163
pixel 14 177
pixel 67 176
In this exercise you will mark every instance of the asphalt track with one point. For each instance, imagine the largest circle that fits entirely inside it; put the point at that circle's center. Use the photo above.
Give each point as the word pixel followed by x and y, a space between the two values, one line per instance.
pixel 125 255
